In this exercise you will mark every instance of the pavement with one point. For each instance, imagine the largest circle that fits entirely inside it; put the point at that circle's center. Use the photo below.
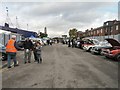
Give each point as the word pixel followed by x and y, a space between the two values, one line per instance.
pixel 63 67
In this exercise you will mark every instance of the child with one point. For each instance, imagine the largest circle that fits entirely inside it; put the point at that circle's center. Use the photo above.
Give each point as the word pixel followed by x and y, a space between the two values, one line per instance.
pixel 38 52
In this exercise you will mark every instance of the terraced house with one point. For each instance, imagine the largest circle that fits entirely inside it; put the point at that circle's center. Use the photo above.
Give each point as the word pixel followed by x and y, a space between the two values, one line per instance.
pixel 110 29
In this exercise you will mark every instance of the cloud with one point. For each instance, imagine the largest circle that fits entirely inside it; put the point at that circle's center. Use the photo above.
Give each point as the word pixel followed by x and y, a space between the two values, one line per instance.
pixel 60 17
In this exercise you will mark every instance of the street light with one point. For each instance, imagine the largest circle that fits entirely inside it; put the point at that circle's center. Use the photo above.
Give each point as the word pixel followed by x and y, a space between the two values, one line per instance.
pixel 27 26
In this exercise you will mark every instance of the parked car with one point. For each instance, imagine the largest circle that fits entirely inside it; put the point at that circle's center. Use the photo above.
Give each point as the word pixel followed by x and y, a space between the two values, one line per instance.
pixel 3 52
pixel 89 43
pixel 77 43
pixel 97 49
pixel 20 43
pixel 44 41
pixel 114 51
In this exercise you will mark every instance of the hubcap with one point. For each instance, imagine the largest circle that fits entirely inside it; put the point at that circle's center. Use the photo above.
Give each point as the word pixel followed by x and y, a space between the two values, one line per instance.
pixel 118 57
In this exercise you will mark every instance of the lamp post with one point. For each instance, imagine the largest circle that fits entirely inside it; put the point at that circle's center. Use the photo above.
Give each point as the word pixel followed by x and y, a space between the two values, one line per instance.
pixel 27 26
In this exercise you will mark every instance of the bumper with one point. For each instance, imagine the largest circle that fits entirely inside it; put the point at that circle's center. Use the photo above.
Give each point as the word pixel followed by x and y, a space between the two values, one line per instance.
pixel 95 51
pixel 85 48
pixel 108 55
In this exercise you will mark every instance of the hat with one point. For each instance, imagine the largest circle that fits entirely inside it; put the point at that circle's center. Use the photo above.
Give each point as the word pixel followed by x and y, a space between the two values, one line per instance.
pixel 13 36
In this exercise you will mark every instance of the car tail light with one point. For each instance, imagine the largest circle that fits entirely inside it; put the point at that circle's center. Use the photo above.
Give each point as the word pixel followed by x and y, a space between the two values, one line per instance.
pixel 111 52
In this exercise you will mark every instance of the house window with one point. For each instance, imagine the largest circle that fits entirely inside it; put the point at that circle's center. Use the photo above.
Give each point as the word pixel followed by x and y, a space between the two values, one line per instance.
pixel 91 33
pixel 106 30
pixel 116 27
pixel 97 31
pixel 111 29
pixel 101 30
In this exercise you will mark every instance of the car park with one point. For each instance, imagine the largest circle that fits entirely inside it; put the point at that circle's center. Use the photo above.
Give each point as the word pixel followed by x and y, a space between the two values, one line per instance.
pixel 97 49
pixel 114 51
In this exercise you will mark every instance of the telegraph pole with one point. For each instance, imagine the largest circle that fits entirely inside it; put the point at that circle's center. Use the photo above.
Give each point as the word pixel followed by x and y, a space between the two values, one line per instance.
pixel 8 20
pixel 7 15
pixel 17 25
pixel 27 26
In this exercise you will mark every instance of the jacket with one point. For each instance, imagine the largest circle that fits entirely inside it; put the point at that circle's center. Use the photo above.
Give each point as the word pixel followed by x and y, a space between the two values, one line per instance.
pixel 28 45
pixel 10 47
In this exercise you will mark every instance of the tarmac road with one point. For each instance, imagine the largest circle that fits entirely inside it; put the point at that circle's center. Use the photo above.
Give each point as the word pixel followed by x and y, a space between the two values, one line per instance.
pixel 63 67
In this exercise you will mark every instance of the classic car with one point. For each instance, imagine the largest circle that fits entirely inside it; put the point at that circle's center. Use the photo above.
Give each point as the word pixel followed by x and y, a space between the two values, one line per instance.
pixel 112 52
pixel 96 49
pixel 89 43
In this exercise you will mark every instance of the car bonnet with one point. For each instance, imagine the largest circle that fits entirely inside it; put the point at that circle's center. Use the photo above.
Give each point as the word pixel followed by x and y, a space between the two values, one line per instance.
pixel 113 42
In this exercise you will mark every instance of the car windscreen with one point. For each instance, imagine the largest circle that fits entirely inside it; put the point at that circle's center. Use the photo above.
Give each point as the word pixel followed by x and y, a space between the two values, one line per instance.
pixel 105 43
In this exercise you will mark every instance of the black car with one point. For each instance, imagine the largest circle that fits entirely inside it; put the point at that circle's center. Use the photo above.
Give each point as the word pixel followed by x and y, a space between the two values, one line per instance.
pixel 20 43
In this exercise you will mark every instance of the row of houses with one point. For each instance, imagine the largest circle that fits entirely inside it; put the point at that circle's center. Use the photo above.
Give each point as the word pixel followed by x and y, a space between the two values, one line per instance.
pixel 110 29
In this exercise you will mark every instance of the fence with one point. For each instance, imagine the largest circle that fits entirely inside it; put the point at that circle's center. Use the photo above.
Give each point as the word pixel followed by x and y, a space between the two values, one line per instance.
pixel 101 38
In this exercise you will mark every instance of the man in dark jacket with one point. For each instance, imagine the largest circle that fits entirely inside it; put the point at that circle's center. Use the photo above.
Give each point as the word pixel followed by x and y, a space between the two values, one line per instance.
pixel 69 43
pixel 28 46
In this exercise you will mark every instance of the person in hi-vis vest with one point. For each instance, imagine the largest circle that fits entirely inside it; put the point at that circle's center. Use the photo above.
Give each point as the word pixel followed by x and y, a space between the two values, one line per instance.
pixel 11 50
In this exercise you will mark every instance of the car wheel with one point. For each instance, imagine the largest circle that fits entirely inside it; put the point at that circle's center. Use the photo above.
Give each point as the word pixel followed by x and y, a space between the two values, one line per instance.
pixel 90 49
pixel 100 52
pixel 117 57
pixel 107 57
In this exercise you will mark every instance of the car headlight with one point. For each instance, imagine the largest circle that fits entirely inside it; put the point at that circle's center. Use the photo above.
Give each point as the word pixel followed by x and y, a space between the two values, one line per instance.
pixel 96 48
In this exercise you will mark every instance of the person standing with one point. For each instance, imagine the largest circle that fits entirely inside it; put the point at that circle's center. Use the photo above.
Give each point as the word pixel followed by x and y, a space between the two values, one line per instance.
pixel 34 51
pixel 69 43
pixel 50 41
pixel 11 50
pixel 28 47
pixel 37 51
pixel 72 43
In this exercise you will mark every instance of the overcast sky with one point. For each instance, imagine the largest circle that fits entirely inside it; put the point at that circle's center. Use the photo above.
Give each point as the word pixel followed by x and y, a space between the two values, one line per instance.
pixel 59 17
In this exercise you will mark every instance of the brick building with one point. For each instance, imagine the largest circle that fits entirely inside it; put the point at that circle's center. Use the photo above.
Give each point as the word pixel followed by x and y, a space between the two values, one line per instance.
pixel 109 28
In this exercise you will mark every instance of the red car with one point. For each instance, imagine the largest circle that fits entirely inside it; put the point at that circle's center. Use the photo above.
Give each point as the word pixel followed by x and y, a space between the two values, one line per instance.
pixel 114 51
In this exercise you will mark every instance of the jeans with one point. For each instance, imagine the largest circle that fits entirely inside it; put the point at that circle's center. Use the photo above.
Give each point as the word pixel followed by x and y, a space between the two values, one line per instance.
pixel 27 55
pixel 39 58
pixel 35 55
pixel 10 56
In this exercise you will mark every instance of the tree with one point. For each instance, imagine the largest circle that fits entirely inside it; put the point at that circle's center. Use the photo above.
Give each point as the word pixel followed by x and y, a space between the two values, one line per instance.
pixel 43 35
pixel 73 33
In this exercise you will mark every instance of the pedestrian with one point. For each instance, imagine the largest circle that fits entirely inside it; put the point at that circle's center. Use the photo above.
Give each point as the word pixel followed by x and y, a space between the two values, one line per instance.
pixel 57 41
pixel 69 43
pixel 38 52
pixel 28 47
pixel 11 50
pixel 34 51
pixel 50 42
pixel 72 43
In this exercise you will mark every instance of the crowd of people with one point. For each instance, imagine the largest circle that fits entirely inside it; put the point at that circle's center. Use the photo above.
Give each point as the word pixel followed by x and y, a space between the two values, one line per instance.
pixel 28 47
pixel 73 43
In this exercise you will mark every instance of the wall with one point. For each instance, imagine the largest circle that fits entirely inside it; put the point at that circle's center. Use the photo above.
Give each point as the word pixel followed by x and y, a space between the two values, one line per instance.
pixel 101 38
